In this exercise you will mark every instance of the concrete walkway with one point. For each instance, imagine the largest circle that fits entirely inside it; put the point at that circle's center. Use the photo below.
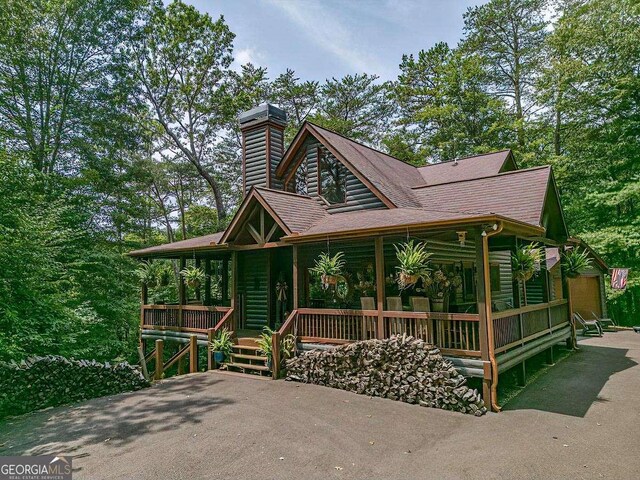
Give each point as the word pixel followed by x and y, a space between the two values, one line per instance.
pixel 580 420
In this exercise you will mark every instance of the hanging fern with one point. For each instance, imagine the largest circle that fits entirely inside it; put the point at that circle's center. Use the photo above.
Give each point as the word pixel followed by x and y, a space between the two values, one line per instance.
pixel 524 261
pixel 414 263
pixel 574 261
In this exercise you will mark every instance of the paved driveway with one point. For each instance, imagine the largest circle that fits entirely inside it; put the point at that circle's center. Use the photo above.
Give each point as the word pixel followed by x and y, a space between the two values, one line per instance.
pixel 580 420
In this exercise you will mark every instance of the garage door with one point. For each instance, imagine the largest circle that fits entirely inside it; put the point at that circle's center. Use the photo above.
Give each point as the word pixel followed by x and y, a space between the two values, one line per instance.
pixel 585 296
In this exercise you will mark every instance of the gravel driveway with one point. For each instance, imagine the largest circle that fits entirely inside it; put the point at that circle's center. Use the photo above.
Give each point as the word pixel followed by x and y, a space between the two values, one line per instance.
pixel 580 420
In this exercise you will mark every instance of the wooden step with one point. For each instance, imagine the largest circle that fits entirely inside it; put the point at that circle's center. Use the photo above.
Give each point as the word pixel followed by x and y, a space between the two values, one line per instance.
pixel 249 357
pixel 246 347
pixel 247 366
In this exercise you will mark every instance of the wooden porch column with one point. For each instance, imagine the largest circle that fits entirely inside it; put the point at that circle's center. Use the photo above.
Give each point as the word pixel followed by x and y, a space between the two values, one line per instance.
pixel 482 313
pixel 234 290
pixel 207 281
pixel 295 277
pixel 379 252
pixel 198 293
pixel 225 281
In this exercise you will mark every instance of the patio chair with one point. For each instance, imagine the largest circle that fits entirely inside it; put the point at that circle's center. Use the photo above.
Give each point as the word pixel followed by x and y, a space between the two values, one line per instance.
pixel 604 322
pixel 368 330
pixel 397 326
pixel 421 304
pixel 588 326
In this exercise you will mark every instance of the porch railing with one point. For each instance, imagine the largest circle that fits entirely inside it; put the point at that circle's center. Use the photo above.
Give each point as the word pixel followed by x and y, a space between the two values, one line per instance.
pixel 185 318
pixel 518 326
pixel 455 334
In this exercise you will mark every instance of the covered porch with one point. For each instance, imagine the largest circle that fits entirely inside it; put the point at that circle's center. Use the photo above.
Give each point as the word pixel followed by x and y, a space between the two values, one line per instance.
pixel 486 322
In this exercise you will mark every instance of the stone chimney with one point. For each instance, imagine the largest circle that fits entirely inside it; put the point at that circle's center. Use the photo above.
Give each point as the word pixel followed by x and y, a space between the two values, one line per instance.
pixel 262 146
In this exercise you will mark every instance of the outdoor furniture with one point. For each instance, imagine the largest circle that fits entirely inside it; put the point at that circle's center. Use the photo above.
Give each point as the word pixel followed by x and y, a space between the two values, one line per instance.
pixel 588 326
pixel 605 322
pixel 367 303
pixel 394 304
pixel 420 304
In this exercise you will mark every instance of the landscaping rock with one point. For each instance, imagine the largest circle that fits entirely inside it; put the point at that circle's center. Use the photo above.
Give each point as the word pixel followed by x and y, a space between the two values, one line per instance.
pixel 401 368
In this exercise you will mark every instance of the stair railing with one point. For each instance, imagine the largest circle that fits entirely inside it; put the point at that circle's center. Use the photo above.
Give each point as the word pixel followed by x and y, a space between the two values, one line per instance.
pixel 288 327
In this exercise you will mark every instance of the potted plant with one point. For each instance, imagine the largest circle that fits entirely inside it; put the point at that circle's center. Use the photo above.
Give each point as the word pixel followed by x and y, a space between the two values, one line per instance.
pixel 222 345
pixel 574 261
pixel 439 285
pixel 193 276
pixel 329 268
pixel 265 343
pixel 525 260
pixel 414 263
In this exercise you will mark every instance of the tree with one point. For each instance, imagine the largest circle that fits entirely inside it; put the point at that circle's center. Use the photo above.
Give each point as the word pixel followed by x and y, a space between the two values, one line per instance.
pixel 443 109
pixel 61 95
pixel 509 35
pixel 180 60
pixel 298 99
pixel 355 106
pixel 595 48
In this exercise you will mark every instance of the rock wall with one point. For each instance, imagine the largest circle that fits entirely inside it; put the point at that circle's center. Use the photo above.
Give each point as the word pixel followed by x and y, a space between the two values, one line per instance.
pixel 400 368
pixel 40 382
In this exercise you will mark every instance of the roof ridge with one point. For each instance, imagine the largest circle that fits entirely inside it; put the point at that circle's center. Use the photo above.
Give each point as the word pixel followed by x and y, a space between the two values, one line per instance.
pixel 500 174
pixel 362 144
pixel 467 157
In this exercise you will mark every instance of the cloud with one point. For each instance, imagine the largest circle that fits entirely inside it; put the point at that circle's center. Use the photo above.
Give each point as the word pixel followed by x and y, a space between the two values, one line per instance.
pixel 326 30
pixel 247 55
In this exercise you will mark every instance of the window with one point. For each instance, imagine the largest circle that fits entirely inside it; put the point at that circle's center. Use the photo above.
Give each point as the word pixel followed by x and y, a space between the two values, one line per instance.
pixel 332 179
pixel 298 181
pixel 494 271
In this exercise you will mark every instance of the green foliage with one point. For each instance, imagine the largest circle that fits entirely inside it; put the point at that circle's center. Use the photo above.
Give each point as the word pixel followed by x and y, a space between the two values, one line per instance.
pixel 265 342
pixel 414 263
pixel 223 342
pixel 574 262
pixel 525 260
pixel 328 268
pixel 193 276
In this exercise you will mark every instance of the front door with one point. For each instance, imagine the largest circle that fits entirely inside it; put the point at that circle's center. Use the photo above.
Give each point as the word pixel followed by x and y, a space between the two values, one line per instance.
pixel 253 288
pixel 264 286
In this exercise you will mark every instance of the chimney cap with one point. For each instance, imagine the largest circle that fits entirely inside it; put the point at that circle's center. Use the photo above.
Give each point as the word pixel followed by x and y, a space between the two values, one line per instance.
pixel 266 111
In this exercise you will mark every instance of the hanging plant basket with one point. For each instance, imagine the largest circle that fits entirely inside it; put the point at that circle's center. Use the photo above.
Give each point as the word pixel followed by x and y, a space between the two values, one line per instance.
pixel 408 279
pixel 523 275
pixel 329 280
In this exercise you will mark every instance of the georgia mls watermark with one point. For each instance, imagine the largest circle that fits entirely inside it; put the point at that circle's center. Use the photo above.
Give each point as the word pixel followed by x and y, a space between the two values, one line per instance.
pixel 45 467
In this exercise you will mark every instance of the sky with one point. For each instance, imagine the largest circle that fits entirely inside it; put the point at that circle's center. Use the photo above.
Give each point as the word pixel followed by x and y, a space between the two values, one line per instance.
pixel 320 39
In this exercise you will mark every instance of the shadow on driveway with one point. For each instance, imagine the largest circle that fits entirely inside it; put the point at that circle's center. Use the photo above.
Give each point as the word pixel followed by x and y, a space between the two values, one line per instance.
pixel 114 421
pixel 575 384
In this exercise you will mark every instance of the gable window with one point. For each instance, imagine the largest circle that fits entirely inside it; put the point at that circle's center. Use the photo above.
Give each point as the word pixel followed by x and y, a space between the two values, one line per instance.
pixel 297 182
pixel 332 179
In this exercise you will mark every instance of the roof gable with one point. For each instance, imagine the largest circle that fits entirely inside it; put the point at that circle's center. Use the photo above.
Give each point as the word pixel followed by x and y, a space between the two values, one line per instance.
pixel 387 177
pixel 293 213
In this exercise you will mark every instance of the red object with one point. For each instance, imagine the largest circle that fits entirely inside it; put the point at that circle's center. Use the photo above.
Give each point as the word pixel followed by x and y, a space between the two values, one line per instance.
pixel 619 278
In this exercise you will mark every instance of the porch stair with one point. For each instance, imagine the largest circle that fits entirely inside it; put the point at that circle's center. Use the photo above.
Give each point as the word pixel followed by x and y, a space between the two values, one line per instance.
pixel 246 359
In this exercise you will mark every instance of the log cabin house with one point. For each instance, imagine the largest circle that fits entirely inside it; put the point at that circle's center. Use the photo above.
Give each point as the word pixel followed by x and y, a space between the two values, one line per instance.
pixel 327 193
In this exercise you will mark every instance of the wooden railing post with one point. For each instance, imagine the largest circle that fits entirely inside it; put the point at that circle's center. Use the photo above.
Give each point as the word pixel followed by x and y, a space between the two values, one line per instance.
pixel 379 253
pixel 210 334
pixel 157 375
pixel 193 354
pixel 275 355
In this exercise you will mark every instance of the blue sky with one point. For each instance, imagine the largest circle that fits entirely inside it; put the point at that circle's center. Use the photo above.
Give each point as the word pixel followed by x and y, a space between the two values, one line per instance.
pixel 320 39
